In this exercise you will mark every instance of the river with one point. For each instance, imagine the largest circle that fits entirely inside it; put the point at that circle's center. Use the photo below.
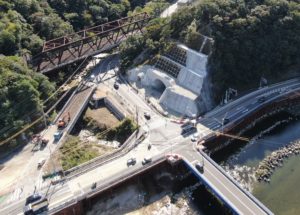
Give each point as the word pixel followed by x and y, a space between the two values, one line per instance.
pixel 282 194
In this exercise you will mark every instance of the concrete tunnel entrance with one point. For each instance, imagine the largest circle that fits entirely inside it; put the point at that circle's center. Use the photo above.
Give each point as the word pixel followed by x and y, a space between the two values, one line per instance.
pixel 159 86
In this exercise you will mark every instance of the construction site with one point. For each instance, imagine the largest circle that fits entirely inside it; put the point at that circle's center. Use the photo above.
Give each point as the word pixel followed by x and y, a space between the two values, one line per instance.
pixel 176 82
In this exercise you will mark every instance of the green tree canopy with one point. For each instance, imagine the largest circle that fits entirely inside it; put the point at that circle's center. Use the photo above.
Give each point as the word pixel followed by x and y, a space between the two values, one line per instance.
pixel 21 95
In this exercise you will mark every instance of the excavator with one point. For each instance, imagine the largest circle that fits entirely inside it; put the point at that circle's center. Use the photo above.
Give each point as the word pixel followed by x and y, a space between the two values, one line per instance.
pixel 63 122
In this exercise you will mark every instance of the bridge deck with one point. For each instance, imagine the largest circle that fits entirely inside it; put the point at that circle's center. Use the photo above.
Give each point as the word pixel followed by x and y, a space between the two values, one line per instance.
pixel 222 185
pixel 68 49
pixel 75 105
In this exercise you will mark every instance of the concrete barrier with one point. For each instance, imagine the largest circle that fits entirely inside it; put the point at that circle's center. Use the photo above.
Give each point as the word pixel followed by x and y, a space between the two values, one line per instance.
pixel 211 186
pixel 113 109
pixel 85 167
pixel 258 203
pixel 73 121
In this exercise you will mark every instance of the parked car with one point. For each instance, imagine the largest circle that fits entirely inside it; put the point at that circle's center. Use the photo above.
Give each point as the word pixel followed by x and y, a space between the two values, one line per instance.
pixel 131 162
pixel 56 180
pixel 57 135
pixel 187 130
pixel 146 160
pixel 33 198
pixel 43 143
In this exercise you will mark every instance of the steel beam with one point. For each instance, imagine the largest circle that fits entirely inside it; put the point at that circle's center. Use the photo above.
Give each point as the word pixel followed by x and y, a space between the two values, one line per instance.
pixel 73 47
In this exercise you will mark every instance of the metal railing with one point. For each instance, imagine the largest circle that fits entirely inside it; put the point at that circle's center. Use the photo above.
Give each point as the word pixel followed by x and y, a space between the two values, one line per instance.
pixel 249 195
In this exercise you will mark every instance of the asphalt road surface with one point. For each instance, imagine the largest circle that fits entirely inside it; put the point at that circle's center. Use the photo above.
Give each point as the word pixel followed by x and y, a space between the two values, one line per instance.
pixel 164 136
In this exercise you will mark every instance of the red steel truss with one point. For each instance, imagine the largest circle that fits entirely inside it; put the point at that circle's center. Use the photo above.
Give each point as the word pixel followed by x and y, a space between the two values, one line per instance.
pixel 73 47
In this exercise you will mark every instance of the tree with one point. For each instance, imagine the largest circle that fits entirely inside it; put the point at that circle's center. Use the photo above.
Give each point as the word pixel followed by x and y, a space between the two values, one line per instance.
pixel 8 43
pixel 21 95
pixel 193 38
pixel 130 49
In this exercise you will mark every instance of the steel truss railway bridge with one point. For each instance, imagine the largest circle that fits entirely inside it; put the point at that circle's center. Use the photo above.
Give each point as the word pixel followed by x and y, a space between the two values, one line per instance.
pixel 70 48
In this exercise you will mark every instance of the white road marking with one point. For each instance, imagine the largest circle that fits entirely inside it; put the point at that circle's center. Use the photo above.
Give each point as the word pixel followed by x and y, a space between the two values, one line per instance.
pixel 237 198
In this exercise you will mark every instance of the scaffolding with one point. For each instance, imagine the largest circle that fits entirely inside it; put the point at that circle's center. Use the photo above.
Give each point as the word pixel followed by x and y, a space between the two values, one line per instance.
pixel 177 54
pixel 167 67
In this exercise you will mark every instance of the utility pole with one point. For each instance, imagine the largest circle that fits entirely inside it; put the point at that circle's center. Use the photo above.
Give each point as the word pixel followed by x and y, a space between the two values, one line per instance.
pixel 44 116
pixel 226 97
pixel 137 118
pixel 263 82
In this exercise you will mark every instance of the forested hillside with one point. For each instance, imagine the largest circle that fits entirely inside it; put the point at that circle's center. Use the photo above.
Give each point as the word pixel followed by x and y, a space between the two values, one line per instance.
pixel 24 25
pixel 252 38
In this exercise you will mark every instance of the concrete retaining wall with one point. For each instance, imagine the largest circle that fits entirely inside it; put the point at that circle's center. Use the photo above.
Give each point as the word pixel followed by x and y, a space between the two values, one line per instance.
pixel 190 80
pixel 114 109
pixel 74 120
pixel 179 103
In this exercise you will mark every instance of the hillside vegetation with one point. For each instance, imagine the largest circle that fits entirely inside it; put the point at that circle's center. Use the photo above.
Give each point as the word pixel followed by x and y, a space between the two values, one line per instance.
pixel 252 38
pixel 24 26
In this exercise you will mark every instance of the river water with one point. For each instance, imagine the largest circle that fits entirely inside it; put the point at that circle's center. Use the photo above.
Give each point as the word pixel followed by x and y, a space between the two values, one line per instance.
pixel 282 194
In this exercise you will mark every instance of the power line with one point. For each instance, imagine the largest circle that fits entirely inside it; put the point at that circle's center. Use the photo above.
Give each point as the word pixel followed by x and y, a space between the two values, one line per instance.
pixel 7 128
pixel 42 117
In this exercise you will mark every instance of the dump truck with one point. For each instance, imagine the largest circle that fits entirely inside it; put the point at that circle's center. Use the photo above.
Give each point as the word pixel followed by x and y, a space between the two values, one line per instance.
pixel 36 207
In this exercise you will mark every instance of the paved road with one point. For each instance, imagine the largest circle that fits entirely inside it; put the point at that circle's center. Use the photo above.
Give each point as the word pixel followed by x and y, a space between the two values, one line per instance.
pixel 221 183
pixel 29 178
pixel 243 106
pixel 163 135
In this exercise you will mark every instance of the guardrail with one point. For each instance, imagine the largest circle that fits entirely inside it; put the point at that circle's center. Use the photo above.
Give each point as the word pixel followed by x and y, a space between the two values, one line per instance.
pixel 74 120
pixel 66 105
pixel 256 93
pixel 112 107
pixel 211 186
pixel 249 195
pixel 111 182
pixel 82 168
pixel 131 174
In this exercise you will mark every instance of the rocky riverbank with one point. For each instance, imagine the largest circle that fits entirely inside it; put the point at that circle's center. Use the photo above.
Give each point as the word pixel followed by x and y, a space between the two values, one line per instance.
pixel 275 159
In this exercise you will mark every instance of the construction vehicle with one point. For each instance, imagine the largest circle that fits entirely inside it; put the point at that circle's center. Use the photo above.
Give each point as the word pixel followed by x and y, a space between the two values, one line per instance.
pixel 36 207
pixel 39 142
pixel 63 122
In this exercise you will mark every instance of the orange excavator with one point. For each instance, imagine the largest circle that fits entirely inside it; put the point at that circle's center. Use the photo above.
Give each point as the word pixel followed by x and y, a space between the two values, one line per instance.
pixel 63 122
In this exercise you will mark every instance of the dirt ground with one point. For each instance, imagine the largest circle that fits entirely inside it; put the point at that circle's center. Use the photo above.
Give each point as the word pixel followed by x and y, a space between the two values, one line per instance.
pixel 55 162
pixel 102 115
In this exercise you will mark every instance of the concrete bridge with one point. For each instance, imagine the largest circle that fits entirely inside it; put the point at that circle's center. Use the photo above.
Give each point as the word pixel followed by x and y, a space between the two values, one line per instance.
pixel 215 179
pixel 223 186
